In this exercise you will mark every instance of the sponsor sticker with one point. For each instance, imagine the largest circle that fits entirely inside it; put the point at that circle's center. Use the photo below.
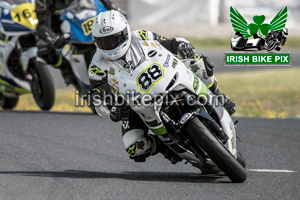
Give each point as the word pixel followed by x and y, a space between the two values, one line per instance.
pixel 152 53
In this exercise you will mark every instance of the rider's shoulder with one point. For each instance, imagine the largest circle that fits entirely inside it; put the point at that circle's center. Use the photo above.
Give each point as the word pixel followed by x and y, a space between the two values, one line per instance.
pixel 97 67
pixel 99 61
pixel 142 35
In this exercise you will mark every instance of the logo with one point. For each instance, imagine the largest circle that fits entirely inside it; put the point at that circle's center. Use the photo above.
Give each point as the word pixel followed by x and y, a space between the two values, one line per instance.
pixel 152 53
pixel 265 36
pixel 95 70
pixel 111 71
pixel 125 125
pixel 128 65
pixel 185 117
pixel 106 29
pixel 152 45
pixel 114 83
pixel 153 123
pixel 260 36
pixel 174 63
pixel 144 43
pixel 158 45
pixel 166 64
pixel 196 83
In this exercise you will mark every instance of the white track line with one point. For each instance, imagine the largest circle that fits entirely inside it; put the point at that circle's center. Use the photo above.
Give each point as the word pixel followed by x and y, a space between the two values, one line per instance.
pixel 272 170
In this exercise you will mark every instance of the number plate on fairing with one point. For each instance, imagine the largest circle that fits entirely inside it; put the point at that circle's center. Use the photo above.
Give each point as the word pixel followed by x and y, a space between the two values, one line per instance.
pixel 25 15
pixel 147 78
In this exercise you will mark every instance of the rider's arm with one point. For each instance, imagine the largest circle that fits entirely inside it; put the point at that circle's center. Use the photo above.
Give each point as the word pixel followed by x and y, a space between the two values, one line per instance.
pixel 44 12
pixel 101 89
pixel 174 45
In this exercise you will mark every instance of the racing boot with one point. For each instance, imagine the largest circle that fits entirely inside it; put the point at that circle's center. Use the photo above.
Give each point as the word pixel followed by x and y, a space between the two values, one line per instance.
pixel 156 146
pixel 142 148
pixel 204 69
pixel 223 99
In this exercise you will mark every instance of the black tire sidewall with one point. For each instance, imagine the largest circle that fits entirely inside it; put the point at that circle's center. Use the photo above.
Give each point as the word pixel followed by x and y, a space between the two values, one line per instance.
pixel 46 85
pixel 217 152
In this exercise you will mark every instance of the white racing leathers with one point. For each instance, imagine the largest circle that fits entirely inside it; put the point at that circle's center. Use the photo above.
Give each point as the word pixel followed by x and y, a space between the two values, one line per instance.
pixel 136 136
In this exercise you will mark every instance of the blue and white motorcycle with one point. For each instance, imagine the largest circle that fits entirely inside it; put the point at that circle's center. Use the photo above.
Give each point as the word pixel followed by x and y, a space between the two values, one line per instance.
pixel 20 71
pixel 79 51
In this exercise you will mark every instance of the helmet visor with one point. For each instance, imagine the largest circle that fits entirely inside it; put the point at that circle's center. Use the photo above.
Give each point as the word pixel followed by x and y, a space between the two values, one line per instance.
pixel 112 41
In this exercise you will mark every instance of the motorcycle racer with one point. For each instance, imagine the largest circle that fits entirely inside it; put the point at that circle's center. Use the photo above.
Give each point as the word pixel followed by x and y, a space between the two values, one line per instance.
pixel 118 46
pixel 49 33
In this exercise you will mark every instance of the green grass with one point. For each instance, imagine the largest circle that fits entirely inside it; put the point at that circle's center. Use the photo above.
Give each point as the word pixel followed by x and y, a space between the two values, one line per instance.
pixel 266 93
pixel 64 101
pixel 224 43
pixel 273 93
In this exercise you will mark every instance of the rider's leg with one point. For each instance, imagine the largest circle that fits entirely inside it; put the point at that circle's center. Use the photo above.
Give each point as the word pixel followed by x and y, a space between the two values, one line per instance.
pixel 204 70
pixel 56 60
pixel 138 144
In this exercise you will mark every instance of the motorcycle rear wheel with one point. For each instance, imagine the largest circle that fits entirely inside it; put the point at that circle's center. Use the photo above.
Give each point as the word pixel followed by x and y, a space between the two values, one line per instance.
pixel 8 103
pixel 215 150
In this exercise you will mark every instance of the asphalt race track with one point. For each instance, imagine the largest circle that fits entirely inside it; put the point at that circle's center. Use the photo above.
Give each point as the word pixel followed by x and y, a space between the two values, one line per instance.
pixel 61 156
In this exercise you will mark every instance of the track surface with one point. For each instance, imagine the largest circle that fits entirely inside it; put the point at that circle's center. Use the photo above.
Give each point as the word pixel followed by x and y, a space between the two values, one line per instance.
pixel 48 155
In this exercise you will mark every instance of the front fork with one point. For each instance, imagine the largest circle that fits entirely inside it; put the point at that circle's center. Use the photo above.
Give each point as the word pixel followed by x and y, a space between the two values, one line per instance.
pixel 183 146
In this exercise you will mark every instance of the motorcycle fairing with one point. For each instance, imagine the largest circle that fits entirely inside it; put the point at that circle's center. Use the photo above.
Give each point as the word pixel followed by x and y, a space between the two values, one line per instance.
pixel 165 67
pixel 18 23
pixel 81 22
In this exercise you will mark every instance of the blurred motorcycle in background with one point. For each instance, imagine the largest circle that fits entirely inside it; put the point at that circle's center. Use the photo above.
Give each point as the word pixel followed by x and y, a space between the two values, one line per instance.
pixel 21 72
pixel 79 48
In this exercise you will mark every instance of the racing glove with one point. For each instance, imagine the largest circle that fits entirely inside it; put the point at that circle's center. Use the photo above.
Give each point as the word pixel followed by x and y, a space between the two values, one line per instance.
pixel 186 50
pixel 61 41
pixel 118 113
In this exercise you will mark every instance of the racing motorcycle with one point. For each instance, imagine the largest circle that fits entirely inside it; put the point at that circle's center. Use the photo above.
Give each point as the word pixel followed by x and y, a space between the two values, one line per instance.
pixel 20 71
pixel 80 49
pixel 178 107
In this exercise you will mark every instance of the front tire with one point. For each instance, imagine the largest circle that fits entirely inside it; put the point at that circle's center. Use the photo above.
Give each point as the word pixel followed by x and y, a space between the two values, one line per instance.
pixel 241 159
pixel 42 86
pixel 216 151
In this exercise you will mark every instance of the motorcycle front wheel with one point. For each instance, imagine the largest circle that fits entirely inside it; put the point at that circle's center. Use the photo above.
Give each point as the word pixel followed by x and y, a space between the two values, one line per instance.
pixel 42 86
pixel 215 150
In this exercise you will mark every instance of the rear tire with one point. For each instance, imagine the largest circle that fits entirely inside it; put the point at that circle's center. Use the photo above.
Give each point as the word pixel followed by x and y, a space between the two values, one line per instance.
pixel 215 150
pixel 8 103
pixel 42 86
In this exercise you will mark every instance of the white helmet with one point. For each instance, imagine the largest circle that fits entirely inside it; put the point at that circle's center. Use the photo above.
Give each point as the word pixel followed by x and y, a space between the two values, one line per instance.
pixel 111 34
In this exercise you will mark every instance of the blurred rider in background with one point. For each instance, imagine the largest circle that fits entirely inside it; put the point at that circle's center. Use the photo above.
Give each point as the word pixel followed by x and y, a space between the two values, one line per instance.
pixel 48 30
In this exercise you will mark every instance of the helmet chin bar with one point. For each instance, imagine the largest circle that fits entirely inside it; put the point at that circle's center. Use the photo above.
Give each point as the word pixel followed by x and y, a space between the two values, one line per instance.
pixel 116 53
